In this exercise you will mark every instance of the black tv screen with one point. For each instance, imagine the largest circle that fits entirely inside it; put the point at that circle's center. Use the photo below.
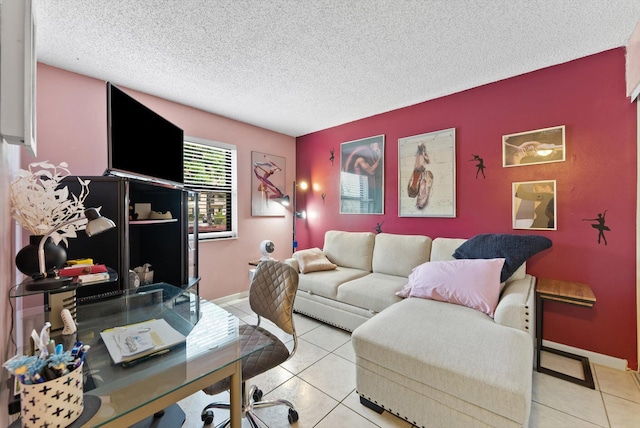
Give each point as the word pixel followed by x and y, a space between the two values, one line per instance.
pixel 142 143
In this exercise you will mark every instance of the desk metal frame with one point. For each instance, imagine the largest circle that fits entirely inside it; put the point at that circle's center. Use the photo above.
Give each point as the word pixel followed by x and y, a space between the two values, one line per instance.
pixel 234 371
pixel 572 293
pixel 212 352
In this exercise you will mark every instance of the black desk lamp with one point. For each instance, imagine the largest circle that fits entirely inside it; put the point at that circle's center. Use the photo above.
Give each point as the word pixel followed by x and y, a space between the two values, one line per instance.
pixel 44 281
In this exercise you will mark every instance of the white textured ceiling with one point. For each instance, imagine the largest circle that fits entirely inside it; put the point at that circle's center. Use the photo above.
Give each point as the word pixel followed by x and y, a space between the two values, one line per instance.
pixel 298 66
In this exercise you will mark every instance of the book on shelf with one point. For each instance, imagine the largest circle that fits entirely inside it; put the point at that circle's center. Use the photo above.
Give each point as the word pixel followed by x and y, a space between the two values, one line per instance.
pixel 77 270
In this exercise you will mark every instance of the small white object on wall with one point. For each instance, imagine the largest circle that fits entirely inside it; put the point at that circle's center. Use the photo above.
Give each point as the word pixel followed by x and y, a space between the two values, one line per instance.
pixel 633 64
pixel 18 74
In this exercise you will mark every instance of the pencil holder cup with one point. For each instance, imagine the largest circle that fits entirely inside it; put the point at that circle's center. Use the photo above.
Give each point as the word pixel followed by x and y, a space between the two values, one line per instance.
pixel 55 403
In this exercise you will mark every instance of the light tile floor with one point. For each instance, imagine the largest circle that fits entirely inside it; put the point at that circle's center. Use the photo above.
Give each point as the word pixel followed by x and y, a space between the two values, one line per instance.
pixel 320 381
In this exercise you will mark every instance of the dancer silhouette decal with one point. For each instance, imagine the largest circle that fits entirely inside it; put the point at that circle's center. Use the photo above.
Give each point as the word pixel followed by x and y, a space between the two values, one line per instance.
pixel 599 225
pixel 479 166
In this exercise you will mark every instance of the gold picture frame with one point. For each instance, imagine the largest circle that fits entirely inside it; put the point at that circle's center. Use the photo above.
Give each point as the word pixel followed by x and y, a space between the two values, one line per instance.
pixel 534 147
pixel 534 205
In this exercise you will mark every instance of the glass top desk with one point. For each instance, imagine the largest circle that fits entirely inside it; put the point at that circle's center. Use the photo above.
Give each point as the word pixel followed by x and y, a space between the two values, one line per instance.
pixel 212 351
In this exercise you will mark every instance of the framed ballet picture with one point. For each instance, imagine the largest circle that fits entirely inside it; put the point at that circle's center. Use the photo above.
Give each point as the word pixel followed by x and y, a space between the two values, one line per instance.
pixel 362 176
pixel 534 147
pixel 427 174
pixel 534 205
pixel 267 184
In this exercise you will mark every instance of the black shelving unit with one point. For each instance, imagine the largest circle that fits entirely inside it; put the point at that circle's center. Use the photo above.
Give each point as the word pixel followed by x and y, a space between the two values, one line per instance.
pixel 170 246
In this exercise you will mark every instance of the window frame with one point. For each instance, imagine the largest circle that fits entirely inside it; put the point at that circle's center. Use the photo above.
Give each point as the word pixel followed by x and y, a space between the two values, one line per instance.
pixel 233 150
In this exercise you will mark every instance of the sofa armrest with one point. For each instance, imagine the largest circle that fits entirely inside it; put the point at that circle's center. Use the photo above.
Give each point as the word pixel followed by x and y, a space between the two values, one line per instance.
pixel 293 263
pixel 516 306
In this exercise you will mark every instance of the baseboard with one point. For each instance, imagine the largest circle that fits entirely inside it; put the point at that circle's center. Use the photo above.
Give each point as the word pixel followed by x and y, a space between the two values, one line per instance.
pixel 231 298
pixel 594 357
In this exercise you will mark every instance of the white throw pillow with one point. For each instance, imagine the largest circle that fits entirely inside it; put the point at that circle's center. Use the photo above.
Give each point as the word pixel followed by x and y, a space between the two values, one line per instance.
pixel 313 260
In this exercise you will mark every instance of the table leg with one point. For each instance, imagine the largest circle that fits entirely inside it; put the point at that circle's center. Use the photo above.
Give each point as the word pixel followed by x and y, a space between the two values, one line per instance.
pixel 235 398
pixel 538 330
pixel 586 367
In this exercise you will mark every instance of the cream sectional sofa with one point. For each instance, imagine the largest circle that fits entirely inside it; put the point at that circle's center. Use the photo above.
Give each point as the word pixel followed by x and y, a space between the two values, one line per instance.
pixel 371 269
pixel 433 363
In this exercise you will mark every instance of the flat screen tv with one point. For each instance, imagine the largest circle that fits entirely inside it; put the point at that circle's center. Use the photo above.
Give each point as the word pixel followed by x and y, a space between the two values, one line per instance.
pixel 142 144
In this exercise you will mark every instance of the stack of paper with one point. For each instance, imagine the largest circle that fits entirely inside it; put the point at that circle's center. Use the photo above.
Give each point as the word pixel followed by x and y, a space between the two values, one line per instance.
pixel 129 342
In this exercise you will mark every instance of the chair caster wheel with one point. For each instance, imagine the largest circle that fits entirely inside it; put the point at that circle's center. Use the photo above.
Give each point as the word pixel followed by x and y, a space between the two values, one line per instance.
pixel 293 416
pixel 257 395
pixel 207 416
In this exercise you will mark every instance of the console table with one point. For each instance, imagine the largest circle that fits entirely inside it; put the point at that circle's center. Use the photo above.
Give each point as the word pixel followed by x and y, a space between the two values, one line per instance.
pixel 572 293
pixel 123 396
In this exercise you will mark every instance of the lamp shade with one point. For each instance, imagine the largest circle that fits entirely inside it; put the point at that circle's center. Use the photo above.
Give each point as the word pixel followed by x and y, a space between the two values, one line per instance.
pixel 96 223
pixel 286 201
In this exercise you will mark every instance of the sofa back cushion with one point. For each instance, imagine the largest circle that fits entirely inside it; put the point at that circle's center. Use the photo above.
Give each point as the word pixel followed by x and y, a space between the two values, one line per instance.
pixel 349 249
pixel 443 249
pixel 399 254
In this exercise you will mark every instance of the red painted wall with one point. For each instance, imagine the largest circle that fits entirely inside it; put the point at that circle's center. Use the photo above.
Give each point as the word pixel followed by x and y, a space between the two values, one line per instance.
pixel 588 97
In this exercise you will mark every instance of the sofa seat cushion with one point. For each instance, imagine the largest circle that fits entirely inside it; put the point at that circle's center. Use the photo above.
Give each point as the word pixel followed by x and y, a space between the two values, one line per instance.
pixel 373 292
pixel 431 342
pixel 326 283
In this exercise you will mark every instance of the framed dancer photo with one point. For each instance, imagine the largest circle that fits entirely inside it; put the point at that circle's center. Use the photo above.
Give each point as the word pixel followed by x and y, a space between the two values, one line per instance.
pixel 534 205
pixel 268 180
pixel 362 176
pixel 534 147
pixel 427 174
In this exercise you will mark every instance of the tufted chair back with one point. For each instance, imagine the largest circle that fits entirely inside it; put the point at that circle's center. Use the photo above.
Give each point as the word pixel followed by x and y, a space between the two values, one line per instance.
pixel 272 293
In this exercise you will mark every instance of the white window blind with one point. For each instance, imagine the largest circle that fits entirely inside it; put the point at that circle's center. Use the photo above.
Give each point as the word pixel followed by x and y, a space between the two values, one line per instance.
pixel 210 169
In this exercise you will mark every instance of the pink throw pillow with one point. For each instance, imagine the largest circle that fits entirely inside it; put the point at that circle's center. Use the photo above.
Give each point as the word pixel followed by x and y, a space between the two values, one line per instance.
pixel 474 283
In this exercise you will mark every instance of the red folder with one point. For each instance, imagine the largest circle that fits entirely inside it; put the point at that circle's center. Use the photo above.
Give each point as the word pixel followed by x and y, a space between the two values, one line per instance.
pixel 82 270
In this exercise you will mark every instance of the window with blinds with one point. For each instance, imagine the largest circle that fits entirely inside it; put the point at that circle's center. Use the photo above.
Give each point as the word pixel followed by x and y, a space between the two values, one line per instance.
pixel 354 193
pixel 210 169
